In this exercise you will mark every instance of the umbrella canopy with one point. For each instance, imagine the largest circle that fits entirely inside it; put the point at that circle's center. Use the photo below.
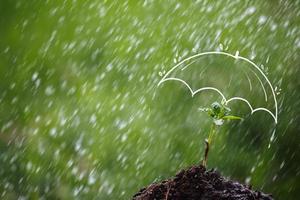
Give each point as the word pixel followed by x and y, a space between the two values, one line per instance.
pixel 204 72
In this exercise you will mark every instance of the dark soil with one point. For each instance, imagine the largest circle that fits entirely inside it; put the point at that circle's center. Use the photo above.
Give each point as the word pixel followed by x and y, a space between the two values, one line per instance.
pixel 197 183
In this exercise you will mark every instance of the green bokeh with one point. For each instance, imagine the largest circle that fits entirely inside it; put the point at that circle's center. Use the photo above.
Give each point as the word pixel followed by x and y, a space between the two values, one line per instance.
pixel 81 115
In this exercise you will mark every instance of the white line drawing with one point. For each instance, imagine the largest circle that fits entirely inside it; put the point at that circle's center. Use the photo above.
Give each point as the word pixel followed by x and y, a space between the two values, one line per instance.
pixel 250 84
pixel 262 85
pixel 236 56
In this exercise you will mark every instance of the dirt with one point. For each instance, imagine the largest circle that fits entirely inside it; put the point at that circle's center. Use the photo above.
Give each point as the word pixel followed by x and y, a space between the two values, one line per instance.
pixel 197 183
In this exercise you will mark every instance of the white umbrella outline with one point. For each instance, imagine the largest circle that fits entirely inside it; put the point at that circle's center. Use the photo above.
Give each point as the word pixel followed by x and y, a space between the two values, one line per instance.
pixel 236 56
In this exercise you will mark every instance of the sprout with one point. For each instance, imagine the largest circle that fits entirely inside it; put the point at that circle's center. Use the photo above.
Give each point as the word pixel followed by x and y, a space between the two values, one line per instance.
pixel 219 112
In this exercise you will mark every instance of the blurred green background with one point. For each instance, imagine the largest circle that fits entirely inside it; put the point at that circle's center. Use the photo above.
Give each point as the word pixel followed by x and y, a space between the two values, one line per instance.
pixel 81 116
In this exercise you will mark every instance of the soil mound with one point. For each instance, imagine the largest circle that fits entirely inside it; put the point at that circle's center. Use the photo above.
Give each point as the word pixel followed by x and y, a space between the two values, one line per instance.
pixel 197 183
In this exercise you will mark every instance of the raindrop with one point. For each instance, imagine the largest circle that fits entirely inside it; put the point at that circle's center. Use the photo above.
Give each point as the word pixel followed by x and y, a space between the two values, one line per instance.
pixel 247 181
pixel 268 58
pixel 12 86
pixel 34 76
pixel 161 73
pixel 121 124
pixel 237 54
pixel 273 136
pixel 252 55
pixel 93 119
pixel 92 178
pixel 271 139
pixel 221 47
pixel 218 122
pixel 29 166
pixel 49 90
pixel 262 19
pixel 277 90
pixel 250 10
pixel 109 67
pixel 282 164
pixel 124 137
pixel 53 132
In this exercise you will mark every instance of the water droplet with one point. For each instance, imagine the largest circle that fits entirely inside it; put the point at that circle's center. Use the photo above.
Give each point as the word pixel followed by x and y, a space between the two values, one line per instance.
pixel 93 119
pixel 49 90
pixel 262 19
pixel 247 181
pixel 268 58
pixel 34 76
pixel 237 54
pixel 273 136
pixel 221 47
pixel 271 139
pixel 53 132
pixel 282 164
pixel 218 122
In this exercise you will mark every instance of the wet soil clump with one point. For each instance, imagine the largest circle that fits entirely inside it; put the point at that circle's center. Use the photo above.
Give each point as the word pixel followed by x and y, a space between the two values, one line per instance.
pixel 197 183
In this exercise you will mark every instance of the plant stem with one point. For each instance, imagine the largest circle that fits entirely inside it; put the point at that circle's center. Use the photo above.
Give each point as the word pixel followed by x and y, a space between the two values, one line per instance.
pixel 208 142
pixel 212 132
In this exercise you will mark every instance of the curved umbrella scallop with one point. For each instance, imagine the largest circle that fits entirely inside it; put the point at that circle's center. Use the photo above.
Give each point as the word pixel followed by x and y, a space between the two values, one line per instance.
pixel 186 63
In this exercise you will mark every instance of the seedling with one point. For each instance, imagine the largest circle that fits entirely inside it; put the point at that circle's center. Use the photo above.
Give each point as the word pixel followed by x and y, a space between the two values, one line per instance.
pixel 219 112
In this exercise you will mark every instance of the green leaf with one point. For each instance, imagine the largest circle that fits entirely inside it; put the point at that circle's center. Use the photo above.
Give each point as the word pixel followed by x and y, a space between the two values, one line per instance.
pixel 231 117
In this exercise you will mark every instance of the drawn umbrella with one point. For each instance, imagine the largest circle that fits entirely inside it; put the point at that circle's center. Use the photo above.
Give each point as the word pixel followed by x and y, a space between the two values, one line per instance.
pixel 226 75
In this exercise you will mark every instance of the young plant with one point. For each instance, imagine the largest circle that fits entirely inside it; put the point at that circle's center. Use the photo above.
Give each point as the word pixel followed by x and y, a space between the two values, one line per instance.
pixel 219 112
